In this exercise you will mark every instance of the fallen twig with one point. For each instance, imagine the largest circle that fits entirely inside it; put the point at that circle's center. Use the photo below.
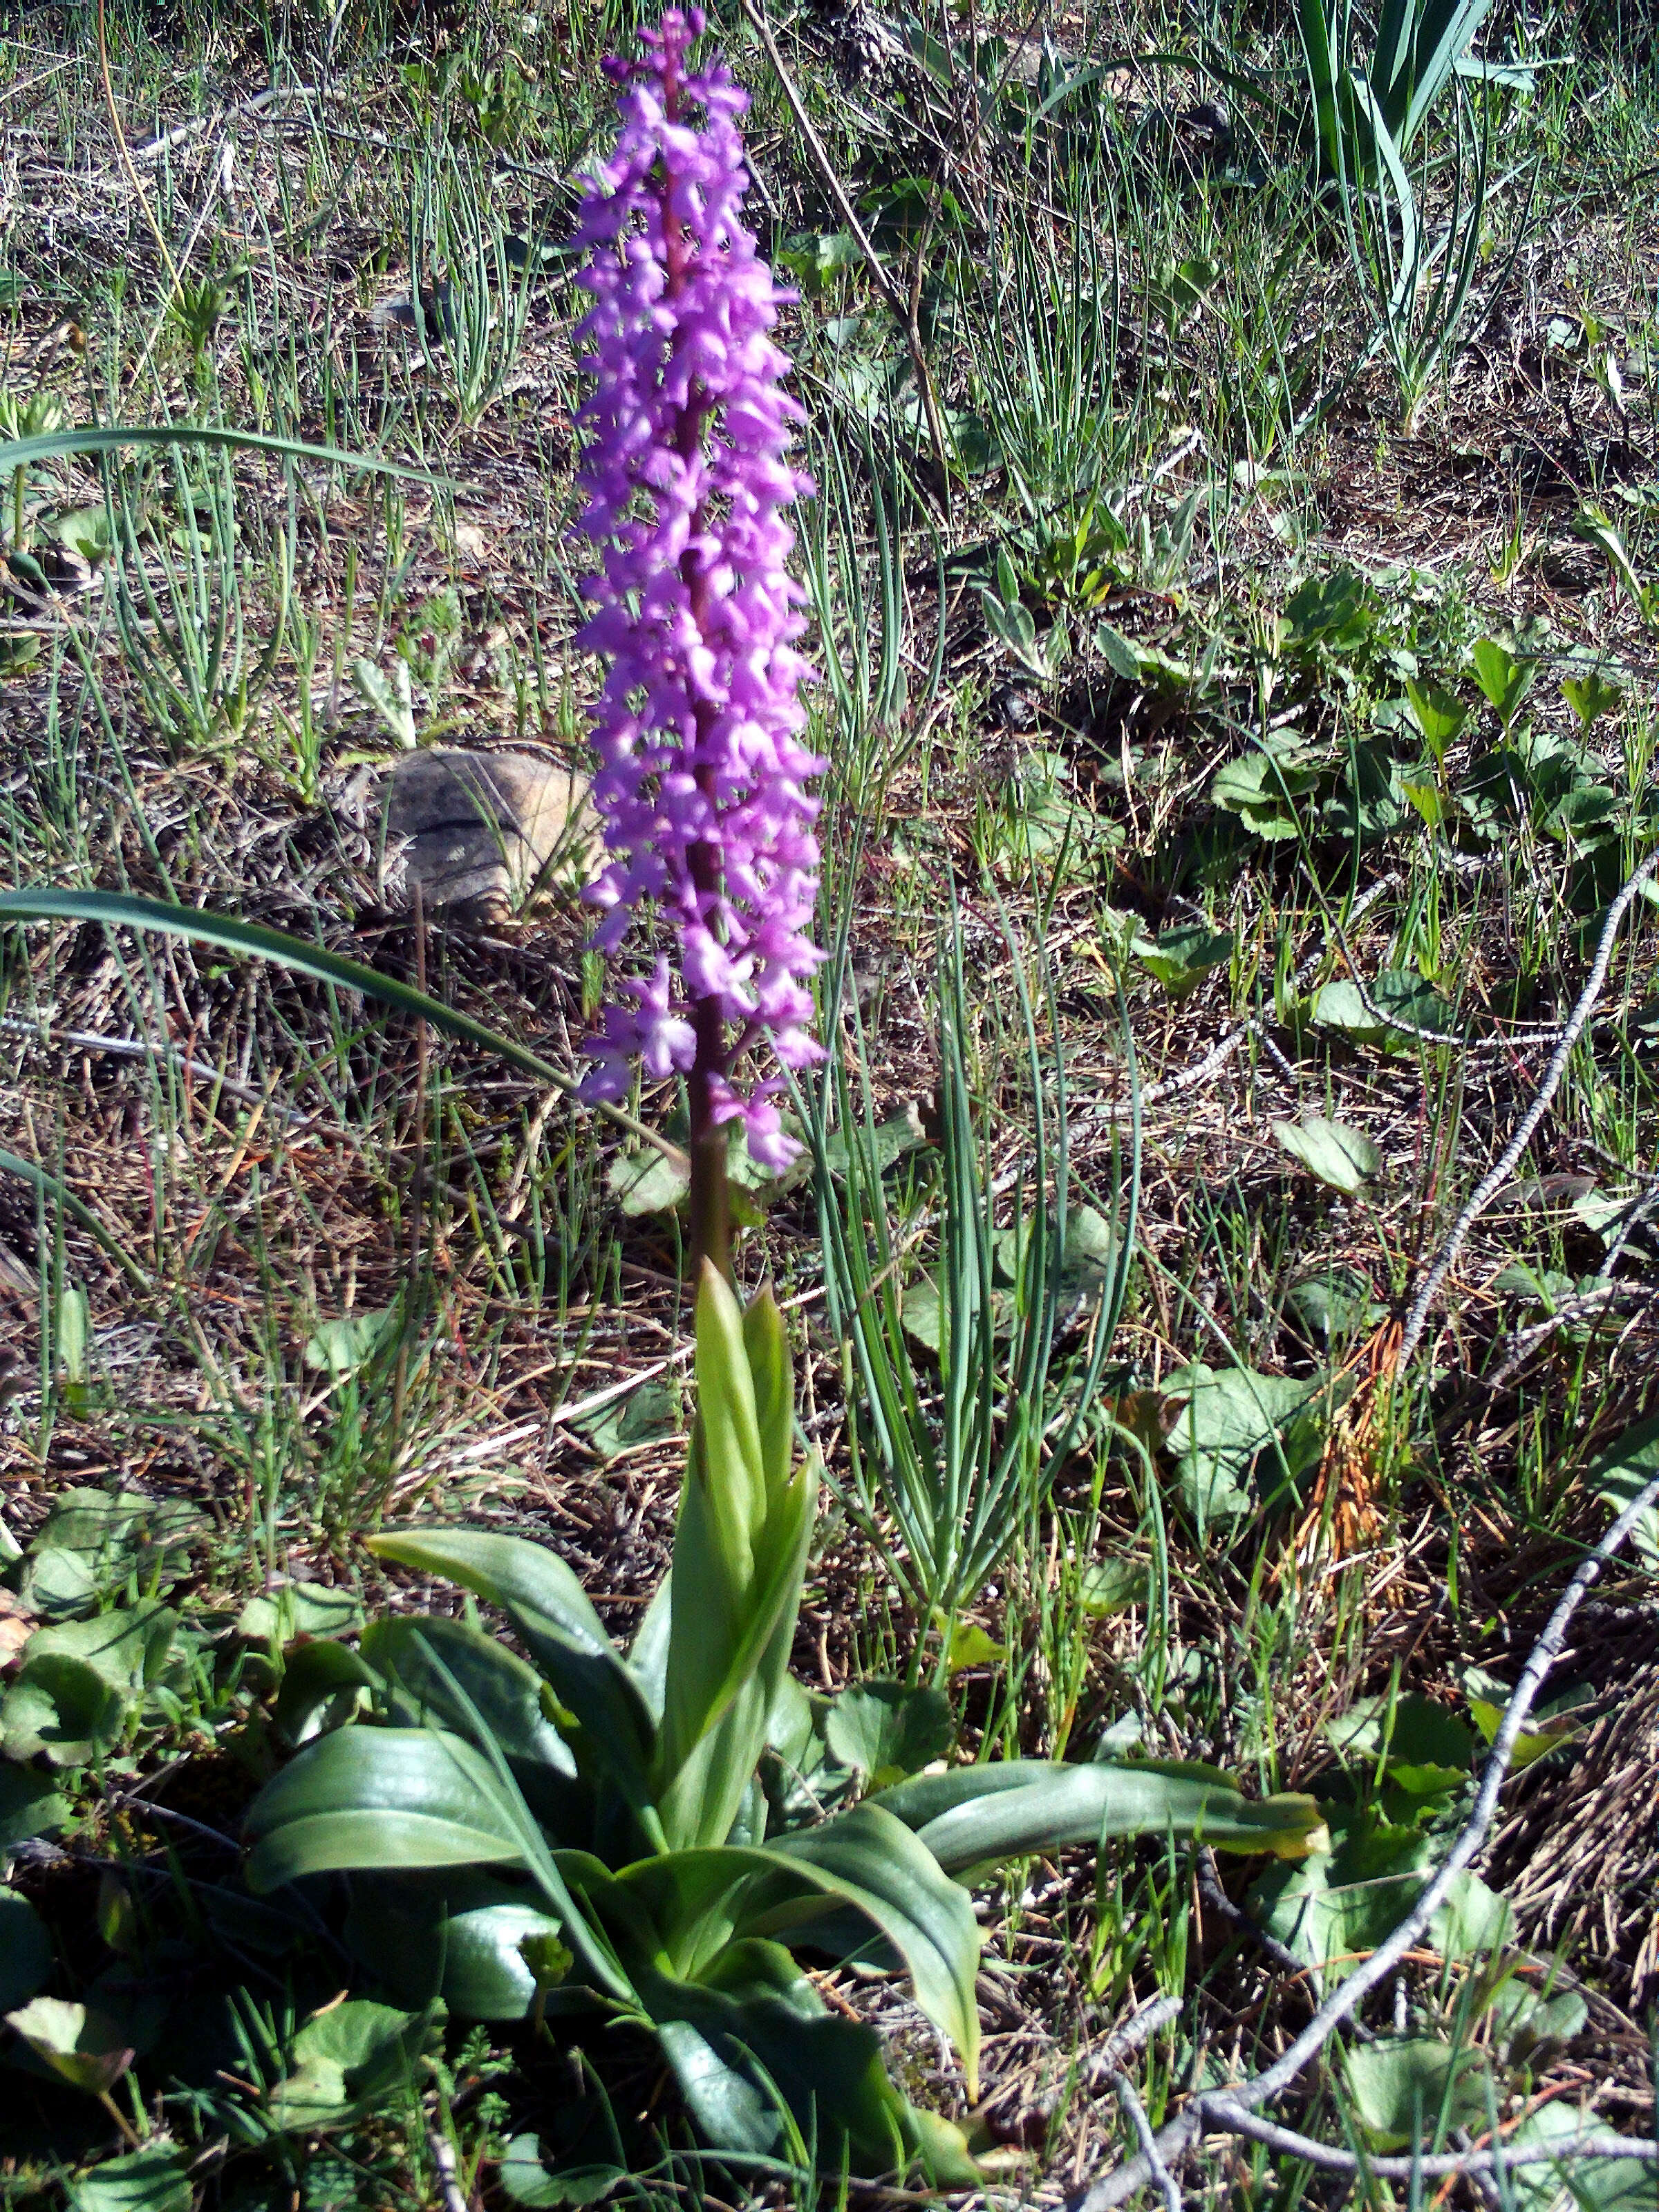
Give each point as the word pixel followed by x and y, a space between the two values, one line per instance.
pixel 1233 2109
pixel 1222 1050
pixel 1498 1173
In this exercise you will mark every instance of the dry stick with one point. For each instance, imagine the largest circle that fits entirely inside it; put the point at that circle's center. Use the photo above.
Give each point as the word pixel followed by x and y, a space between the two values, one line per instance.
pixel 1430 2166
pixel 449 2177
pixel 1137 2030
pixel 907 313
pixel 1499 1173
pixel 1135 2112
pixel 1225 1047
pixel 1224 2108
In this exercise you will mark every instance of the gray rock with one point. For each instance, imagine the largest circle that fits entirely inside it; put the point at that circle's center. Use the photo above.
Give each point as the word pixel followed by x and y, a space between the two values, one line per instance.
pixel 484 831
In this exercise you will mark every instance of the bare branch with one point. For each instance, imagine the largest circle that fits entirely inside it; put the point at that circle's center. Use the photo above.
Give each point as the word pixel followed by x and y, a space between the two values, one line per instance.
pixel 1222 2108
pixel 1499 1173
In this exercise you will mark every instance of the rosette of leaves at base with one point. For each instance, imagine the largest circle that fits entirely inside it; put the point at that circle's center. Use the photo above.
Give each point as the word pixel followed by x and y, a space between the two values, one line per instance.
pixel 654 1836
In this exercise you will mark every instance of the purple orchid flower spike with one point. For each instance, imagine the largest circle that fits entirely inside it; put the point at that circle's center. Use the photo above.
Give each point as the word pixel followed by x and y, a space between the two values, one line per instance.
pixel 702 783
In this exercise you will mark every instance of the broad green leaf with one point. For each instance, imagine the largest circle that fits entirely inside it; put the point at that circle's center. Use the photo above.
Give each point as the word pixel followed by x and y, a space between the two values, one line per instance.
pixel 458 1936
pixel 340 1347
pixel 344 2061
pixel 1181 958
pixel 526 2181
pixel 1338 1155
pixel 970 1646
pixel 734 1472
pixel 1418 1733
pixel 641 1416
pixel 645 1182
pixel 299 1609
pixel 1415 2090
pixel 875 1863
pixel 1590 697
pixel 25 1950
pixel 93 1541
pixel 416 1653
pixel 1585 2185
pixel 1504 678
pixel 61 1710
pixel 84 2048
pixel 739 1555
pixel 324 1684
pixel 720 1694
pixel 1334 1910
pixel 127 1648
pixel 30 1804
pixel 1489 1699
pixel 755 2032
pixel 773 1384
pixel 549 1607
pixel 1334 1306
pixel 1337 612
pixel 1438 713
pixel 974 1815
pixel 888 1730
pixel 379 1799
pixel 1621 1476
pixel 1231 1419
pixel 156 2178
pixel 1400 993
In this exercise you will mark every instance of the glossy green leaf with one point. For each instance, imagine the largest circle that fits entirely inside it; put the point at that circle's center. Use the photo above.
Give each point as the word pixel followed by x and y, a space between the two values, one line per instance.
pixel 1415 2089
pixel 551 1610
pixel 1342 1157
pixel 61 1710
pixel 774 1384
pixel 735 1474
pixel 156 2178
pixel 699 1900
pixel 422 1656
pixel 379 1798
pixel 324 1683
pixel 755 2035
pixel 85 2048
pixel 716 1722
pixel 876 1863
pixel 456 1936
pixel 888 1730
pixel 974 1815
pixel 739 1555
